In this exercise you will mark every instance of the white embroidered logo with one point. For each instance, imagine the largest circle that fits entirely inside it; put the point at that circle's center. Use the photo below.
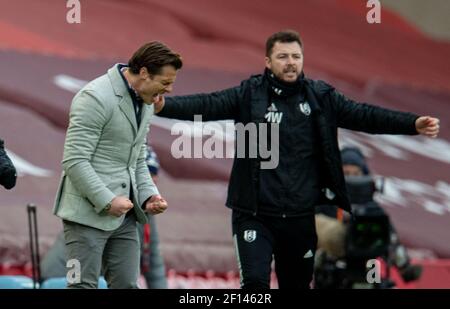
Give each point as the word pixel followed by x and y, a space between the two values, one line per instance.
pixel 277 90
pixel 273 115
pixel 249 235
pixel 272 108
pixel 305 108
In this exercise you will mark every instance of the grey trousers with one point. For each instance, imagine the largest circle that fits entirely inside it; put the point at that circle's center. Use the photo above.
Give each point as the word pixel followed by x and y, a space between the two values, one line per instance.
pixel 116 251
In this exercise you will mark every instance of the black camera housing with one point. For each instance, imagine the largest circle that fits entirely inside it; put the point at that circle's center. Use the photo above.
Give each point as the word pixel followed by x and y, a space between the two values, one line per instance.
pixel 367 237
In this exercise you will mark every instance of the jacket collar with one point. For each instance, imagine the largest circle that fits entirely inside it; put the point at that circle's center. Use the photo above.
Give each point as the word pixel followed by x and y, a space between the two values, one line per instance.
pixel 120 89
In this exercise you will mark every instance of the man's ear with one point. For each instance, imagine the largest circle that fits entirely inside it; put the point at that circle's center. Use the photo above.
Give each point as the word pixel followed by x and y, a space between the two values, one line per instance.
pixel 268 62
pixel 144 74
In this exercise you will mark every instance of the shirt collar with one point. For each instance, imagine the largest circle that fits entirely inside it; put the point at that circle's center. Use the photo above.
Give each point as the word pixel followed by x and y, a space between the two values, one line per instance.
pixel 133 93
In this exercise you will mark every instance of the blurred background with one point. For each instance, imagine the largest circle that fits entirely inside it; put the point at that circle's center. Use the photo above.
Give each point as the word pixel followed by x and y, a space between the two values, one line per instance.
pixel 401 63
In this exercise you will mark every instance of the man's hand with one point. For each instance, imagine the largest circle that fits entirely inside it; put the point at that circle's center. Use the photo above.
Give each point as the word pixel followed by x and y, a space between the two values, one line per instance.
pixel 427 126
pixel 158 103
pixel 155 205
pixel 120 205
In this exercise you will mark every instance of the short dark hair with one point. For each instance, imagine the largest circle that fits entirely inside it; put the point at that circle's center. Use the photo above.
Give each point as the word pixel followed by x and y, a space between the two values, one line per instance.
pixel 154 56
pixel 285 36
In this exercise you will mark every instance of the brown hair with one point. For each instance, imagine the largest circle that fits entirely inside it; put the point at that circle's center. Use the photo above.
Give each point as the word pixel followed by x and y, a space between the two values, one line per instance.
pixel 154 56
pixel 285 36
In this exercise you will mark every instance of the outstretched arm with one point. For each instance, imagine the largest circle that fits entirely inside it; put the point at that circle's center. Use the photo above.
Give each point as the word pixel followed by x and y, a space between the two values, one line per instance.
pixel 373 119
pixel 212 106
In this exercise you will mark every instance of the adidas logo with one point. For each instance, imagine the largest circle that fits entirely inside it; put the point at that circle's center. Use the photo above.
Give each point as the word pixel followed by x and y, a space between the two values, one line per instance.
pixel 272 108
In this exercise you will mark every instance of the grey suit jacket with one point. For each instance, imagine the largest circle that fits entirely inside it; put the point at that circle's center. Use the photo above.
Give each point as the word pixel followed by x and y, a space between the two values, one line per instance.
pixel 104 153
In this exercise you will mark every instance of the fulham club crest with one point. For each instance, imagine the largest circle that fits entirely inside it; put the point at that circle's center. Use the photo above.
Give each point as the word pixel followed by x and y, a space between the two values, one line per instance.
pixel 305 108
pixel 249 235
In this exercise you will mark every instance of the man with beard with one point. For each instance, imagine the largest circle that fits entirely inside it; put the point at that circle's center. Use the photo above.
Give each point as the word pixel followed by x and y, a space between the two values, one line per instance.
pixel 273 209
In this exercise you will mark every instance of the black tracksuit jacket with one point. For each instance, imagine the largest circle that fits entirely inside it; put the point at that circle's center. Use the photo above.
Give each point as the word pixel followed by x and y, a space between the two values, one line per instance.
pixel 248 103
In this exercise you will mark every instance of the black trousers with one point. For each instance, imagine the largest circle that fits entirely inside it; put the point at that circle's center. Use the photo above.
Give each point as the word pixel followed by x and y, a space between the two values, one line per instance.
pixel 290 241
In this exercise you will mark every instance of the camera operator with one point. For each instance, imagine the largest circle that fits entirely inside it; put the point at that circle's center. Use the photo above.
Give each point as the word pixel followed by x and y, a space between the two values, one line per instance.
pixel 8 174
pixel 332 223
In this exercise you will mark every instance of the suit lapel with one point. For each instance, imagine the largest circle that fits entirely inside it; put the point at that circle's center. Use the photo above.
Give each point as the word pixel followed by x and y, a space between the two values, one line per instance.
pixel 127 108
pixel 126 105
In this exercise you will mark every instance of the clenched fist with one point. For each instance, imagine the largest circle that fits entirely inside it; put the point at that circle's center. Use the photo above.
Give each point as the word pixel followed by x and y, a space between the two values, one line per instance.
pixel 427 126
pixel 120 205
pixel 156 205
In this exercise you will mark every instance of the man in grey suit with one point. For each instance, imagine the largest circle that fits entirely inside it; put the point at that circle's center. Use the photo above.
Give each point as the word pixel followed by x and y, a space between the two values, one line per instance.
pixel 105 186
